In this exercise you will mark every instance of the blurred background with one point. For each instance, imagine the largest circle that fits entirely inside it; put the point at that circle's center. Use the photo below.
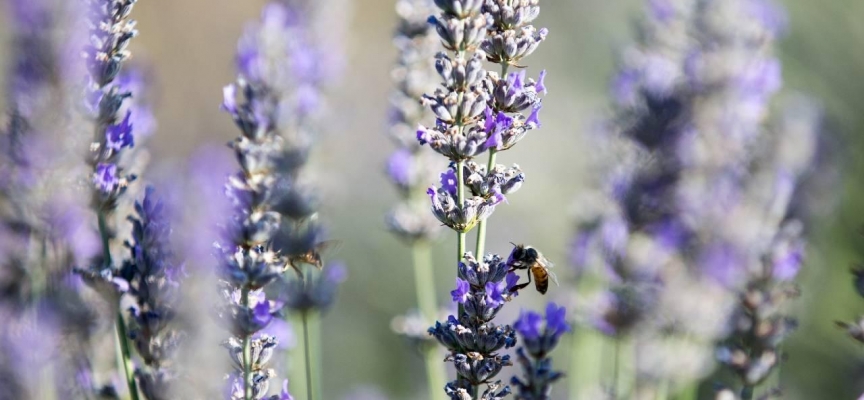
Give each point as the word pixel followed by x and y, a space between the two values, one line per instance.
pixel 189 46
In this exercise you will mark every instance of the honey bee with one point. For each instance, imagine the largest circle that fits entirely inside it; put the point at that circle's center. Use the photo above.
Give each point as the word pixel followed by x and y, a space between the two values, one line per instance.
pixel 529 258
pixel 310 257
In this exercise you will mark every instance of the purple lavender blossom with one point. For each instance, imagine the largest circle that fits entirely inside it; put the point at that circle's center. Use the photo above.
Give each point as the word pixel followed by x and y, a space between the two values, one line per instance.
pixel 537 374
pixel 462 292
pixel 695 117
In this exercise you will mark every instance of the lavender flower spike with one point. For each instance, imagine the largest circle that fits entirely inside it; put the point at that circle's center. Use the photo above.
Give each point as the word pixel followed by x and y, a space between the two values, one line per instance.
pixel 538 376
pixel 702 157
pixel 274 225
pixel 154 279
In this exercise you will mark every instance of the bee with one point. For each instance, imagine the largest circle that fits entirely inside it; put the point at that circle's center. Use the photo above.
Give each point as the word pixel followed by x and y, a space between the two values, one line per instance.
pixel 529 258
pixel 311 257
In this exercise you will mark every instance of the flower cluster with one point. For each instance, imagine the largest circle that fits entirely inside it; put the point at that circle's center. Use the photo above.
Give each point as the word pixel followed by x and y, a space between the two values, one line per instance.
pixel 533 356
pixel 473 339
pixel 410 169
pixel 110 33
pixel 692 108
pixel 154 278
pixel 275 222
pixel 476 110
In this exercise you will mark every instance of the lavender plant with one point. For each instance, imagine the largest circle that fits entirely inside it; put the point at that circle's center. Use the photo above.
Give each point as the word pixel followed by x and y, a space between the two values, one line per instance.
pixel 110 32
pixel 275 228
pixel 154 277
pixel 411 170
pixel 477 111
pixel 43 231
pixel 691 101
pixel 533 356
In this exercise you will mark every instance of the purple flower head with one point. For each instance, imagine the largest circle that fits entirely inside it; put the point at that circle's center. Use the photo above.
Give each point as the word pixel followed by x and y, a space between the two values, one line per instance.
pixel 249 61
pixel 336 272
pixel 399 167
pixel 462 292
pixel 540 86
pixel 449 181
pixel 496 293
pixel 106 178
pixel 528 325
pixel 498 198
pixel 722 263
pixel 761 79
pixel 262 313
pixel 625 86
pixel 556 320
pixel 516 81
pixel 769 14
pixel 496 128
pixel 283 394
pixel 512 279
pixel 662 10
pixel 534 118
pixel 120 135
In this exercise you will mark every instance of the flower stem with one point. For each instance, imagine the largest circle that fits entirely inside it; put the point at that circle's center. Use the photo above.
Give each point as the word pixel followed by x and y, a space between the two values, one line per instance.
pixel 481 228
pixel 460 199
pixel 125 356
pixel 247 351
pixel 307 354
pixel 426 301
pixel 586 353
pixel 690 392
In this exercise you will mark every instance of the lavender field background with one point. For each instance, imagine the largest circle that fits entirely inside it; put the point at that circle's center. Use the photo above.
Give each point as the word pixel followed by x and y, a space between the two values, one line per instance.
pixel 188 47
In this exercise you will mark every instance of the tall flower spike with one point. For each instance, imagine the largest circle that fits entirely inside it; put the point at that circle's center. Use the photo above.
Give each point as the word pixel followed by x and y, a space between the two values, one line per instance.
pixel 473 339
pixel 537 374
pixel 154 278
pixel 409 168
pixel 275 227
pixel 703 161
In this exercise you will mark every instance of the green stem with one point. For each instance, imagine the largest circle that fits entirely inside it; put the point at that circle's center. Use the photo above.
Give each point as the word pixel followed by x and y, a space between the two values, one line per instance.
pixel 460 235
pixel 689 392
pixel 481 228
pixel 425 287
pixel 586 354
pixel 126 356
pixel 307 354
pixel 662 390
pixel 616 370
pixel 247 351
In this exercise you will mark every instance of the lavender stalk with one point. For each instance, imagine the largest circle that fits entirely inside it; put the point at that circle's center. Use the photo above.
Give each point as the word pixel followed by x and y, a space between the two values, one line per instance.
pixel 691 109
pixel 281 73
pixel 110 33
pixel 537 373
pixel 478 111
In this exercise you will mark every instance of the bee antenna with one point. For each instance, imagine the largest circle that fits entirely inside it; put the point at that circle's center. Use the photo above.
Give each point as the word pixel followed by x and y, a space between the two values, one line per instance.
pixel 514 244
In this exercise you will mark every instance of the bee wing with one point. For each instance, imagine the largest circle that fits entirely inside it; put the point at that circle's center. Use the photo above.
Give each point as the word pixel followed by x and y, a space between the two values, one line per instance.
pixel 542 260
pixel 329 246
pixel 554 278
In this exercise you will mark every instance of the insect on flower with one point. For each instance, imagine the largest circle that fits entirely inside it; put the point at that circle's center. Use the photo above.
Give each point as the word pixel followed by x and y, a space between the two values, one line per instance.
pixel 311 257
pixel 531 259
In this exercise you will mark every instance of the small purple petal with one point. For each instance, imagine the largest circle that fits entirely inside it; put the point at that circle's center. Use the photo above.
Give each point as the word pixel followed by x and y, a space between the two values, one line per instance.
pixel 540 86
pixel 556 319
pixel 462 292
pixel 449 182
pixel 534 118
pixel 528 325
pixel 399 167
pixel 105 177
pixel 495 293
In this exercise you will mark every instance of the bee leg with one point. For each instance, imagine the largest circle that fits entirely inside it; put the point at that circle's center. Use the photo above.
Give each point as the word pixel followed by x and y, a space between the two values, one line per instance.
pixel 296 270
pixel 521 286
